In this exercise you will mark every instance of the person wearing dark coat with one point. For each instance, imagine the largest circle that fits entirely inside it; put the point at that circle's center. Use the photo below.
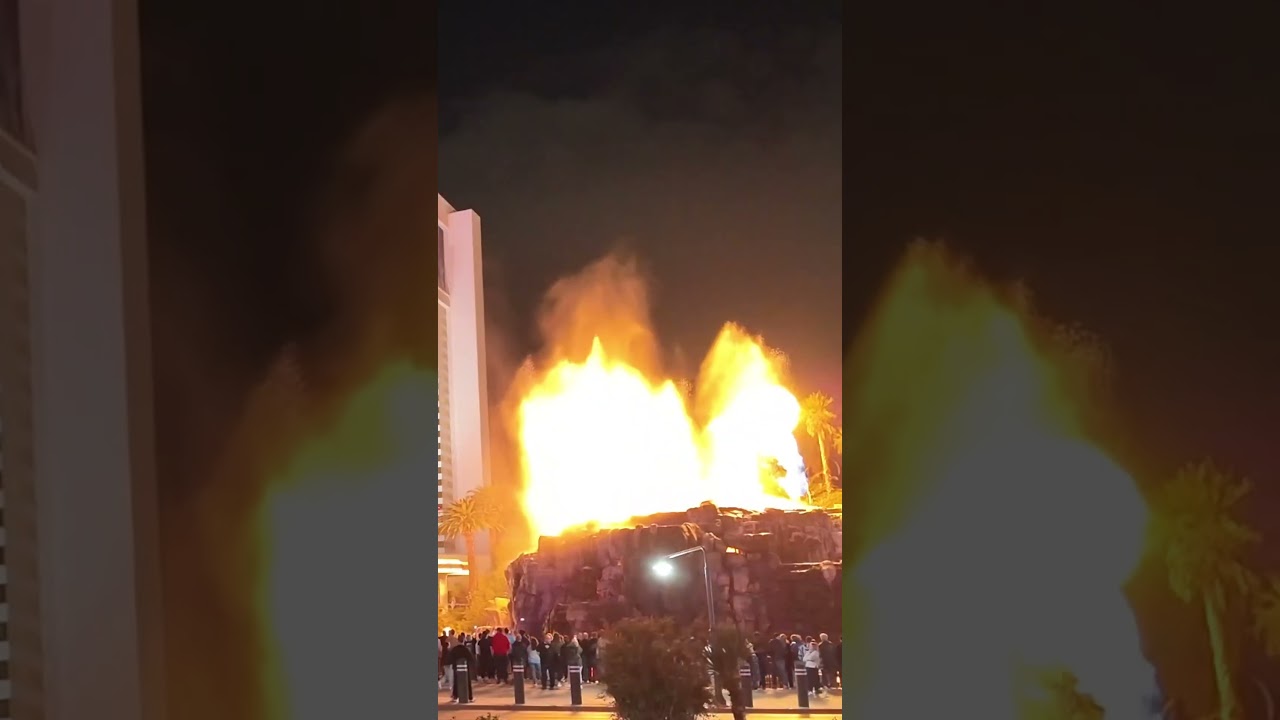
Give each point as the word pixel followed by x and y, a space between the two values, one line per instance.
pixel 827 652
pixel 484 655
pixel 558 643
pixel 781 653
pixel 520 651
pixel 589 674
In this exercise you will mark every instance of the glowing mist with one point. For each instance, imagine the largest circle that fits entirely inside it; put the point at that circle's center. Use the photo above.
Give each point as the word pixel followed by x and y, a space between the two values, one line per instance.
pixel 344 535
pixel 999 537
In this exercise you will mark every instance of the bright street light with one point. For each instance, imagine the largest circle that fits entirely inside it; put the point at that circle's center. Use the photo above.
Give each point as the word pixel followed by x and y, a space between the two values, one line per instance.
pixel 664 569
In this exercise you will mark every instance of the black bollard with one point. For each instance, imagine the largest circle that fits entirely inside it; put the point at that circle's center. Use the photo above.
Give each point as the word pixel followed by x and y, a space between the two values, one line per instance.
pixel 575 684
pixel 802 686
pixel 747 684
pixel 462 681
pixel 517 681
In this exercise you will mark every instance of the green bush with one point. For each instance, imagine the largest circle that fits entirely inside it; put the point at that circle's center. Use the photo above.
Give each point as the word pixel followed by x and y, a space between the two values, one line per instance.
pixel 655 672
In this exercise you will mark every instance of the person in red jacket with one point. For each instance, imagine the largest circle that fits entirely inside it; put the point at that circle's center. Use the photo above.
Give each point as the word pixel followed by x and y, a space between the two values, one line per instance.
pixel 501 654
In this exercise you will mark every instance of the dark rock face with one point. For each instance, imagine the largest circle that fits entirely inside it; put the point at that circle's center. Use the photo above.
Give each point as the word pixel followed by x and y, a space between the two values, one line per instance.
pixel 773 571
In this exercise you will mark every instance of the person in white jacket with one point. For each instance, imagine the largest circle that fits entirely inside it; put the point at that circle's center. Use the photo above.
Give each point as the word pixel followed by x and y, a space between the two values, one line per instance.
pixel 812 666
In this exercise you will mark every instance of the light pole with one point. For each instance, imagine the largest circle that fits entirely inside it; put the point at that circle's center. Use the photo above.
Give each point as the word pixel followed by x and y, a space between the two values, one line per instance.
pixel 663 569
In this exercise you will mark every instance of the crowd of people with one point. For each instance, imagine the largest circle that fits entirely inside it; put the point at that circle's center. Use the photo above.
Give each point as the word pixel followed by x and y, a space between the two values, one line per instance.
pixel 490 655
pixel 774 663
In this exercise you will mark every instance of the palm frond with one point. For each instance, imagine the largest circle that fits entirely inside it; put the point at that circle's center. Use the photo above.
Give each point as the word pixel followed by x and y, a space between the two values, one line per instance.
pixel 817 417
pixel 478 511
pixel 1202 540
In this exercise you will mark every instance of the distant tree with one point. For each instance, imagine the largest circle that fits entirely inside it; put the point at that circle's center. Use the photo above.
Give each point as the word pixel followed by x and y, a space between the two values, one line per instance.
pixel 474 513
pixel 819 424
pixel 497 506
pixel 1204 544
pixel 655 672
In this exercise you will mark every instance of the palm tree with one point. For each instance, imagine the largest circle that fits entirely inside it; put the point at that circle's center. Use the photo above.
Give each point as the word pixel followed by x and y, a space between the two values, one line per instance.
pixel 496 506
pixel 818 420
pixel 464 518
pixel 1204 544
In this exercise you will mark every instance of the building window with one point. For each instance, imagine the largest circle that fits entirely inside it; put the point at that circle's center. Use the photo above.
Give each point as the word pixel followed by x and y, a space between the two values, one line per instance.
pixel 442 278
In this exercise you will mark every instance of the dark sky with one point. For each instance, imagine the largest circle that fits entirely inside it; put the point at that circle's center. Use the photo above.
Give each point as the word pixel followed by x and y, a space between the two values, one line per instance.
pixel 246 126
pixel 290 159
pixel 1123 166
pixel 706 142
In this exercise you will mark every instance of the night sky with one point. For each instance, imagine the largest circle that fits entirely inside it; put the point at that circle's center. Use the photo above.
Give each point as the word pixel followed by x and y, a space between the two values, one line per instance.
pixel 1124 167
pixel 254 192
pixel 290 158
pixel 705 143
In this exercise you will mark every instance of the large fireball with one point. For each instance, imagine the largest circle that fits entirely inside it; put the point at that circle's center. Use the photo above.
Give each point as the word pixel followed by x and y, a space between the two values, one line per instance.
pixel 603 435
pixel 601 442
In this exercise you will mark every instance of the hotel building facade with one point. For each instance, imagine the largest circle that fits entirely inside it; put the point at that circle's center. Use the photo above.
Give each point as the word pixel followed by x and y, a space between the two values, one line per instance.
pixel 463 428
pixel 80 611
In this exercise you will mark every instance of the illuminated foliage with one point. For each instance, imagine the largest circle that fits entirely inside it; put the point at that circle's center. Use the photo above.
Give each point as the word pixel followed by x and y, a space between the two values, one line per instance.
pixel 653 671
pixel 819 423
pixel 1204 544
pixel 464 518
pixel 1202 540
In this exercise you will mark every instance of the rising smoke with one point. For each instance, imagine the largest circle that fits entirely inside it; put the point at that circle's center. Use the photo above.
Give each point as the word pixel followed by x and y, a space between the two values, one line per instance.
pixel 369 290
pixel 994 538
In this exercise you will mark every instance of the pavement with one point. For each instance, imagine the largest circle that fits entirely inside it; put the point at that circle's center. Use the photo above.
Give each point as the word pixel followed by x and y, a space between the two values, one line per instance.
pixel 493 698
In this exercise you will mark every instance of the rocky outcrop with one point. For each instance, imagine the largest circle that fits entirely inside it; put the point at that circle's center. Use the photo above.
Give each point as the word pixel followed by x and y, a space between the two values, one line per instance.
pixel 771 571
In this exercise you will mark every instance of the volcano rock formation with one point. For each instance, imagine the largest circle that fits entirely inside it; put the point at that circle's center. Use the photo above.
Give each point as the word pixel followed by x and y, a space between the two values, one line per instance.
pixel 785 575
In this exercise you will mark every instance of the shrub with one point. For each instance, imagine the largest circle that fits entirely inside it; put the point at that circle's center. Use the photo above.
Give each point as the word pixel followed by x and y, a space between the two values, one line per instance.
pixel 655 672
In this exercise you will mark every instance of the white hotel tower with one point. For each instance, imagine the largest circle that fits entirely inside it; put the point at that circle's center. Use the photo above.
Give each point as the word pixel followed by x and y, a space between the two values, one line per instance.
pixel 464 397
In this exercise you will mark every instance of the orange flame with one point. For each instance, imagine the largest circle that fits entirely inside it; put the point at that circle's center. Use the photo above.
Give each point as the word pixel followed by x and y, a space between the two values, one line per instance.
pixel 601 442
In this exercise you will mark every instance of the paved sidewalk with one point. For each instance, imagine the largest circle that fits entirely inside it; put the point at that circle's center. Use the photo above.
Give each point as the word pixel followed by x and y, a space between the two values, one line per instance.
pixel 502 697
